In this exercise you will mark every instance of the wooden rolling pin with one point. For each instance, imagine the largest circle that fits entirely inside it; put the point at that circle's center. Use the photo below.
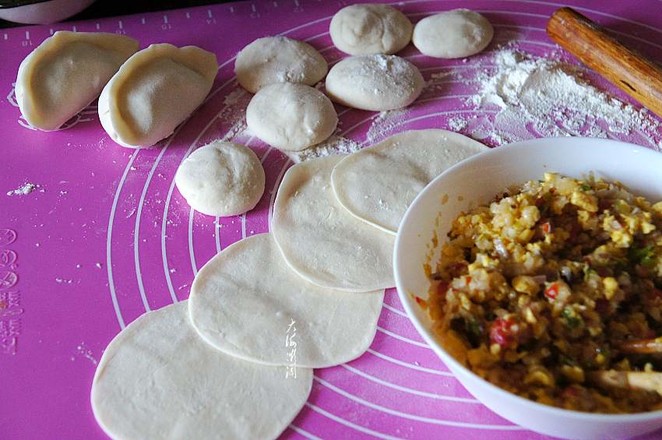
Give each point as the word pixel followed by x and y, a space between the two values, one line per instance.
pixel 632 72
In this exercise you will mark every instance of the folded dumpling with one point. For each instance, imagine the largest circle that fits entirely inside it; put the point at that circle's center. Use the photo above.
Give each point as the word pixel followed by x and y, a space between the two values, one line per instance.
pixel 66 72
pixel 155 91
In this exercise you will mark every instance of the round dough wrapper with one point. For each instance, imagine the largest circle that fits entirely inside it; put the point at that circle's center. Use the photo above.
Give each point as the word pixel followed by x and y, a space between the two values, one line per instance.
pixel 154 91
pixel 278 59
pixel 66 72
pixel 453 34
pixel 374 82
pixel 321 240
pixel 248 315
pixel 291 117
pixel 366 28
pixel 158 379
pixel 377 184
pixel 221 179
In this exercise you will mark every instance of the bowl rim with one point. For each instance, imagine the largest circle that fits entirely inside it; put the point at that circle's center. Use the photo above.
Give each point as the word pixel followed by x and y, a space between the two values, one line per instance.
pixel 428 336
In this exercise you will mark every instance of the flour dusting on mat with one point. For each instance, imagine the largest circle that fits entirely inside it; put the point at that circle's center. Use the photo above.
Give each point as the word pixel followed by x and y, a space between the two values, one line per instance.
pixel 385 124
pixel 23 190
pixel 233 114
pixel 537 97
pixel 333 145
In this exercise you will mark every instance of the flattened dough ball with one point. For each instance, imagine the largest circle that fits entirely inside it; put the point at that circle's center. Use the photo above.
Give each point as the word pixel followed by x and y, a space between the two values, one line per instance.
pixel 278 59
pixel 221 179
pixel 154 91
pixel 453 34
pixel 366 28
pixel 247 315
pixel 291 117
pixel 378 183
pixel 66 72
pixel 321 240
pixel 374 82
pixel 158 379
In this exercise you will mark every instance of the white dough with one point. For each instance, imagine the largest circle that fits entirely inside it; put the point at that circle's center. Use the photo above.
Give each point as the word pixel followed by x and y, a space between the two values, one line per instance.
pixel 366 28
pixel 321 240
pixel 246 301
pixel 278 59
pixel 158 379
pixel 374 82
pixel 221 179
pixel 66 72
pixel 154 91
pixel 378 183
pixel 291 117
pixel 453 34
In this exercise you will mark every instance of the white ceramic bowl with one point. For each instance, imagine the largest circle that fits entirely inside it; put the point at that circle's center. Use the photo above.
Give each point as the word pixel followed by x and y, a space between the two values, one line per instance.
pixel 50 11
pixel 476 181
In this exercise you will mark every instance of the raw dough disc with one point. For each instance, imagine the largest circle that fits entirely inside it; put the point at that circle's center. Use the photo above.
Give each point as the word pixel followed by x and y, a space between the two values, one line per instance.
pixel 378 183
pixel 278 59
pixel 453 34
pixel 67 72
pixel 250 315
pixel 221 179
pixel 374 82
pixel 158 379
pixel 364 29
pixel 291 117
pixel 321 240
pixel 154 91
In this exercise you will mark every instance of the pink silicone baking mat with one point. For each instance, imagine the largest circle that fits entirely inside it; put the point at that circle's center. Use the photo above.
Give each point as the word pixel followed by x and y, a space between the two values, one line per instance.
pixel 92 235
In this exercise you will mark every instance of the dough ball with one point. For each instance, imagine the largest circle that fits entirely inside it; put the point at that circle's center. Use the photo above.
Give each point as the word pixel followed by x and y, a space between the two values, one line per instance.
pixel 453 34
pixel 278 59
pixel 374 82
pixel 157 379
pixel 291 117
pixel 365 29
pixel 66 72
pixel 221 179
pixel 245 315
pixel 154 91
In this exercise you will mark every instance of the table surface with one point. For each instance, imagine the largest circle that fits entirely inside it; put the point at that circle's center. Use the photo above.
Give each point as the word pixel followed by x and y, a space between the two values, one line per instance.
pixel 101 235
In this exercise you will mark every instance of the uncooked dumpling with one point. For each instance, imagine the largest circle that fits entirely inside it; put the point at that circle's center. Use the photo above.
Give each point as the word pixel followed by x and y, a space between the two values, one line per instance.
pixel 321 240
pixel 453 34
pixel 291 117
pixel 221 179
pixel 66 72
pixel 378 183
pixel 374 82
pixel 158 380
pixel 278 59
pixel 248 315
pixel 365 29
pixel 155 91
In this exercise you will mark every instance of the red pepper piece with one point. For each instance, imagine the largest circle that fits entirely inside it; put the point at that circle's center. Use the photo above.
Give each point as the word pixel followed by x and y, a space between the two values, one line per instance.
pixel 504 332
pixel 552 291
pixel 546 228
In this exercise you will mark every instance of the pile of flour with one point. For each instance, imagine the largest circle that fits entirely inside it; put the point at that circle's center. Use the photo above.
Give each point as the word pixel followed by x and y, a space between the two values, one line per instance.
pixel 522 96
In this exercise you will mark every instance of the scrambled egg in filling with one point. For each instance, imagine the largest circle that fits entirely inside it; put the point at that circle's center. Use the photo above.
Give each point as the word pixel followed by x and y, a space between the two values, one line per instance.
pixel 541 292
